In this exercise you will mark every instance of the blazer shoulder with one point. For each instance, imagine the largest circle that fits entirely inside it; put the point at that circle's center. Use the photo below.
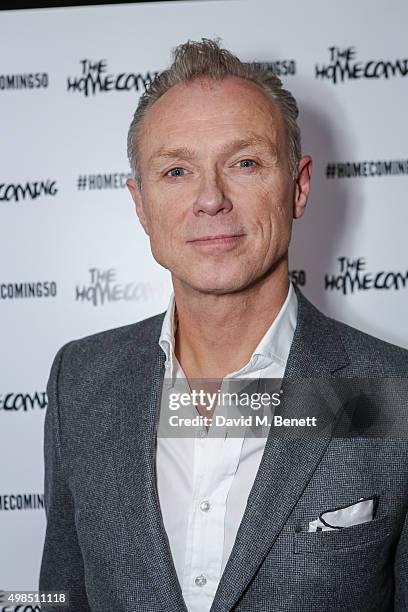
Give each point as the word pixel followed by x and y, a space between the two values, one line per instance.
pixel 113 345
pixel 370 353
pixel 364 354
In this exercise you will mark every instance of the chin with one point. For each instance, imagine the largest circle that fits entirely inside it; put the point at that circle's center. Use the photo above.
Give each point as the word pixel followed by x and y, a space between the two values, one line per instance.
pixel 218 285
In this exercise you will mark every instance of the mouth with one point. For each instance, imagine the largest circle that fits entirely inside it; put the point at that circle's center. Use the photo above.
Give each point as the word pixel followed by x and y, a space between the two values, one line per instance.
pixel 219 240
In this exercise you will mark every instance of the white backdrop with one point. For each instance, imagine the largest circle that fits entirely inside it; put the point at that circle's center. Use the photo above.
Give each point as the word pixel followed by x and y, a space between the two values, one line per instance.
pixel 73 238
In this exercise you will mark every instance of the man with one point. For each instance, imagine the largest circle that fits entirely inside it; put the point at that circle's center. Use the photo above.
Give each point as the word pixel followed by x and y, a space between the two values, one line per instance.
pixel 140 521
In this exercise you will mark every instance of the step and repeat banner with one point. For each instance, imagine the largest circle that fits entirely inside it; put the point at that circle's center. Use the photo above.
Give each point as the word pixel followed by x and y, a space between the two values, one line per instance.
pixel 74 259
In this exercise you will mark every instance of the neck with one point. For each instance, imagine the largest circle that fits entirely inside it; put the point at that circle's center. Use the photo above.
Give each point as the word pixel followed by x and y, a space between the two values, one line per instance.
pixel 217 334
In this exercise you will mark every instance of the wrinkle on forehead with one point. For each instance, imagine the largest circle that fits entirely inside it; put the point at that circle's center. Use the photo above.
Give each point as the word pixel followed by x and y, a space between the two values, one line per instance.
pixel 237 144
pixel 190 114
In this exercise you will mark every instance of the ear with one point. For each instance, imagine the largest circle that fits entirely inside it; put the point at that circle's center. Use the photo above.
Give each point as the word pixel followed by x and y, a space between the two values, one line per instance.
pixel 136 194
pixel 302 186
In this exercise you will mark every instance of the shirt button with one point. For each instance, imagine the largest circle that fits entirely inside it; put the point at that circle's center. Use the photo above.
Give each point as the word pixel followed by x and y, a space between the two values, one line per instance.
pixel 205 505
pixel 201 580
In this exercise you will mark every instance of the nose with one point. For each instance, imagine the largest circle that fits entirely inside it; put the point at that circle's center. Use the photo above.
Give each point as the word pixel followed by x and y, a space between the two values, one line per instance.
pixel 211 198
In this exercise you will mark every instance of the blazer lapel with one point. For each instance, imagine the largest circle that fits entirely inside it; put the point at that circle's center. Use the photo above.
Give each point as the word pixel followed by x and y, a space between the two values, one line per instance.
pixel 287 464
pixel 135 469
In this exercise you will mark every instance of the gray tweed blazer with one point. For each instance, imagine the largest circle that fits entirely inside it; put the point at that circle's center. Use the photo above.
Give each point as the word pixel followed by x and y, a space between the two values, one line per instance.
pixel 105 541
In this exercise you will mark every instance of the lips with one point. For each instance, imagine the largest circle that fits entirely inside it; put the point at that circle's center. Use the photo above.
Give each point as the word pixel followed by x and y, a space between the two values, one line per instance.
pixel 217 237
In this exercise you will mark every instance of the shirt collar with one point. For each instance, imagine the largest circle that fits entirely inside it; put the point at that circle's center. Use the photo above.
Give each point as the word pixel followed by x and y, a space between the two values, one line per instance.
pixel 168 330
pixel 274 346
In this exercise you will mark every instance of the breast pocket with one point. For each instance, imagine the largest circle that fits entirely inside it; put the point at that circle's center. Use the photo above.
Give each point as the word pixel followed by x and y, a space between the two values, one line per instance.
pixel 355 536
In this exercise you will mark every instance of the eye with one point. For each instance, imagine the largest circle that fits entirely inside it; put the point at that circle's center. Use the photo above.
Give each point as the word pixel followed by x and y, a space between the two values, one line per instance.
pixel 175 172
pixel 247 163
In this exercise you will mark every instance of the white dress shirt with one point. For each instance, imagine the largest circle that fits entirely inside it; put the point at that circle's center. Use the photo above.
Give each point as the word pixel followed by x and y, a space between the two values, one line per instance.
pixel 204 481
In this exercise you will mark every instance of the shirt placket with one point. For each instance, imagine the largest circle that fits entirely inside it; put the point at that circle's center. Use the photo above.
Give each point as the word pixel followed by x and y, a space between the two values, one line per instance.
pixel 215 463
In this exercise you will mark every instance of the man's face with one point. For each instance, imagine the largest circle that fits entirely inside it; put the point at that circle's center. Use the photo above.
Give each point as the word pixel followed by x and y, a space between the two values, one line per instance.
pixel 217 198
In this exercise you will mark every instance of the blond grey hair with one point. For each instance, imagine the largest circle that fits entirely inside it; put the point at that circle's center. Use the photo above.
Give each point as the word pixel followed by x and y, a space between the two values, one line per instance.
pixel 207 60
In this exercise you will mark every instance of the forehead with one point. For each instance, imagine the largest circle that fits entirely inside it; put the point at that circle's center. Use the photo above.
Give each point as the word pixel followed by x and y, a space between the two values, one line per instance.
pixel 209 111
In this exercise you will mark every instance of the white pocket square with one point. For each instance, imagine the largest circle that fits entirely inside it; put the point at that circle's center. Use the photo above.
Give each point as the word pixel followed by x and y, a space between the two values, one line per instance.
pixel 353 514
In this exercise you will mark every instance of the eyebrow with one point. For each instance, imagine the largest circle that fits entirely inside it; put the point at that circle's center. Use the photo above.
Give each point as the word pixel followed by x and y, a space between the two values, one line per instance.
pixel 227 149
